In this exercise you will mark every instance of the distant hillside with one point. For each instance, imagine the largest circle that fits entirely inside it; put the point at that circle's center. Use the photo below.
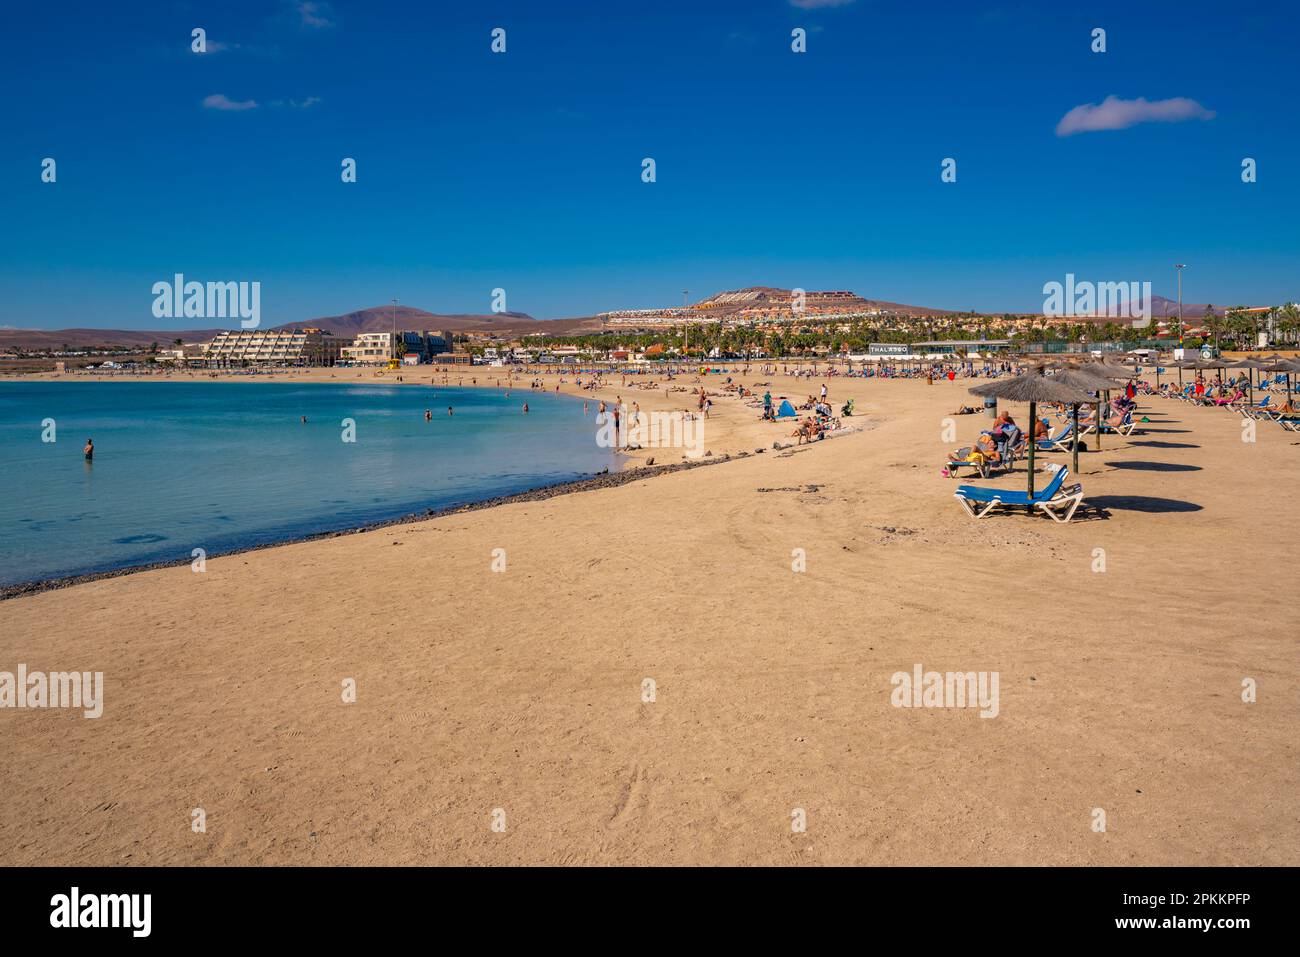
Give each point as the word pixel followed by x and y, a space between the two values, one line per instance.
pixel 754 299
pixel 760 297
pixel 89 338
pixel 383 318
pixel 375 319
pixel 1162 307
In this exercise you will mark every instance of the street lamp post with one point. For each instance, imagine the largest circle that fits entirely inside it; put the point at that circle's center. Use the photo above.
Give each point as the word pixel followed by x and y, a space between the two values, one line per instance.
pixel 1180 267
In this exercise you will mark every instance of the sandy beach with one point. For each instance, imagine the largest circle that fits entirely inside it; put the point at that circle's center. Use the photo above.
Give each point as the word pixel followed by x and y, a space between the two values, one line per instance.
pixel 524 690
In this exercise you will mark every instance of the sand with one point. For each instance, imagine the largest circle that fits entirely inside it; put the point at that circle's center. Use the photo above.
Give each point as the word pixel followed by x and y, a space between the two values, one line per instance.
pixel 522 690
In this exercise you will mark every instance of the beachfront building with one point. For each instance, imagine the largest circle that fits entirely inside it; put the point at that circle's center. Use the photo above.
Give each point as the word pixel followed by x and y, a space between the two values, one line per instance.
pixel 299 347
pixel 964 347
pixel 378 348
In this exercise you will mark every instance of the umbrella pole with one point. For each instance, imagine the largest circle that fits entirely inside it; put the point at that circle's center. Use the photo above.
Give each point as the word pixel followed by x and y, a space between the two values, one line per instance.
pixel 1033 427
pixel 1098 419
pixel 1074 438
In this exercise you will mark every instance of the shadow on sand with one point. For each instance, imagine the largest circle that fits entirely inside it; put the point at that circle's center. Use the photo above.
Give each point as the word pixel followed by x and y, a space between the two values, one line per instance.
pixel 1140 503
pixel 1166 445
pixel 1154 466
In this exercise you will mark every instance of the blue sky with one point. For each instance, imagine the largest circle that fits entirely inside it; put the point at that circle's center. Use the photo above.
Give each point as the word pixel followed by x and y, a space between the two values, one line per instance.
pixel 522 170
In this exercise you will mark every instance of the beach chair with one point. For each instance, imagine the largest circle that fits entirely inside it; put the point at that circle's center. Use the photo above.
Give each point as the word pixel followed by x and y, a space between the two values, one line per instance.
pixel 1060 442
pixel 981 466
pixel 1014 448
pixel 1259 410
pixel 1124 426
pixel 1055 501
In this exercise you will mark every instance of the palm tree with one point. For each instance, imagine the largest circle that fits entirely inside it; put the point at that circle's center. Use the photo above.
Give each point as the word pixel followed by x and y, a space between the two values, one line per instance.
pixel 1288 320
pixel 1214 323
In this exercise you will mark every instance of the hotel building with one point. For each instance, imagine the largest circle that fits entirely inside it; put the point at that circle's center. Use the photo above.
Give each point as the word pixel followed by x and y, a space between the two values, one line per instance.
pixel 301 347
pixel 377 348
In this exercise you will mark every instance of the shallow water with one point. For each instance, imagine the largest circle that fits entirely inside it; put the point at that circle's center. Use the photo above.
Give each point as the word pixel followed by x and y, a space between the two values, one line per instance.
pixel 220 465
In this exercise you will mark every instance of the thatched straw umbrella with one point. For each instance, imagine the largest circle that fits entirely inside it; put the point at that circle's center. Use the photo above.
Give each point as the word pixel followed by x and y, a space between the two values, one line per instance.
pixel 1032 387
pixel 1251 365
pixel 1288 366
pixel 1085 380
pixel 1218 364
pixel 1097 378
pixel 1158 368
pixel 1189 364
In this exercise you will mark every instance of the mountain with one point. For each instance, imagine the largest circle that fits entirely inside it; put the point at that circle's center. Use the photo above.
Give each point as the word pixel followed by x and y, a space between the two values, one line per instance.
pixel 374 319
pixel 1162 308
pixel 384 318
pixel 91 338
pixel 755 299
pixel 758 299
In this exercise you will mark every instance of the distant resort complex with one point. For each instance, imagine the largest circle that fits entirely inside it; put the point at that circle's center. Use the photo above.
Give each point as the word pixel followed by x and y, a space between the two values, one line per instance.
pixel 759 322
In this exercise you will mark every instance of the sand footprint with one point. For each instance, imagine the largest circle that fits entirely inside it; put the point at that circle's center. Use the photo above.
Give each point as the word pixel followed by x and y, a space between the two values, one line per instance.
pixel 633 795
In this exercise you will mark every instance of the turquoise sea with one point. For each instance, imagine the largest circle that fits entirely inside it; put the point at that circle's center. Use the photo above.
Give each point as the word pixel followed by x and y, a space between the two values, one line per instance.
pixel 221 466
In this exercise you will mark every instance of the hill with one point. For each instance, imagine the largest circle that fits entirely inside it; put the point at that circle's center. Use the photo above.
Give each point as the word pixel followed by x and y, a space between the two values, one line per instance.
pixel 96 338
pixel 383 318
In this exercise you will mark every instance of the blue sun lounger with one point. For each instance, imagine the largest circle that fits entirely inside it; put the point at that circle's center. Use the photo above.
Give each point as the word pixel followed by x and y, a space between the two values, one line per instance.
pixel 1059 441
pixel 1055 502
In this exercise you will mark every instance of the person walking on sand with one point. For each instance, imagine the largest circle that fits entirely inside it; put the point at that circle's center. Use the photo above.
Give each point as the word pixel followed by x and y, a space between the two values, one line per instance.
pixel 89 450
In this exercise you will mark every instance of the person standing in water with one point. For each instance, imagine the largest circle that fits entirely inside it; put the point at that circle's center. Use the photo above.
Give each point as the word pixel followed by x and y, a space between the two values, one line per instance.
pixel 428 415
pixel 89 450
pixel 525 408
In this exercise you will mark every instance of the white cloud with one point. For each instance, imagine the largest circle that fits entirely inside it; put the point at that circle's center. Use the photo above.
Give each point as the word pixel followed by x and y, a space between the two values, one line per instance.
pixel 1116 114
pixel 302 104
pixel 219 101
pixel 314 14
